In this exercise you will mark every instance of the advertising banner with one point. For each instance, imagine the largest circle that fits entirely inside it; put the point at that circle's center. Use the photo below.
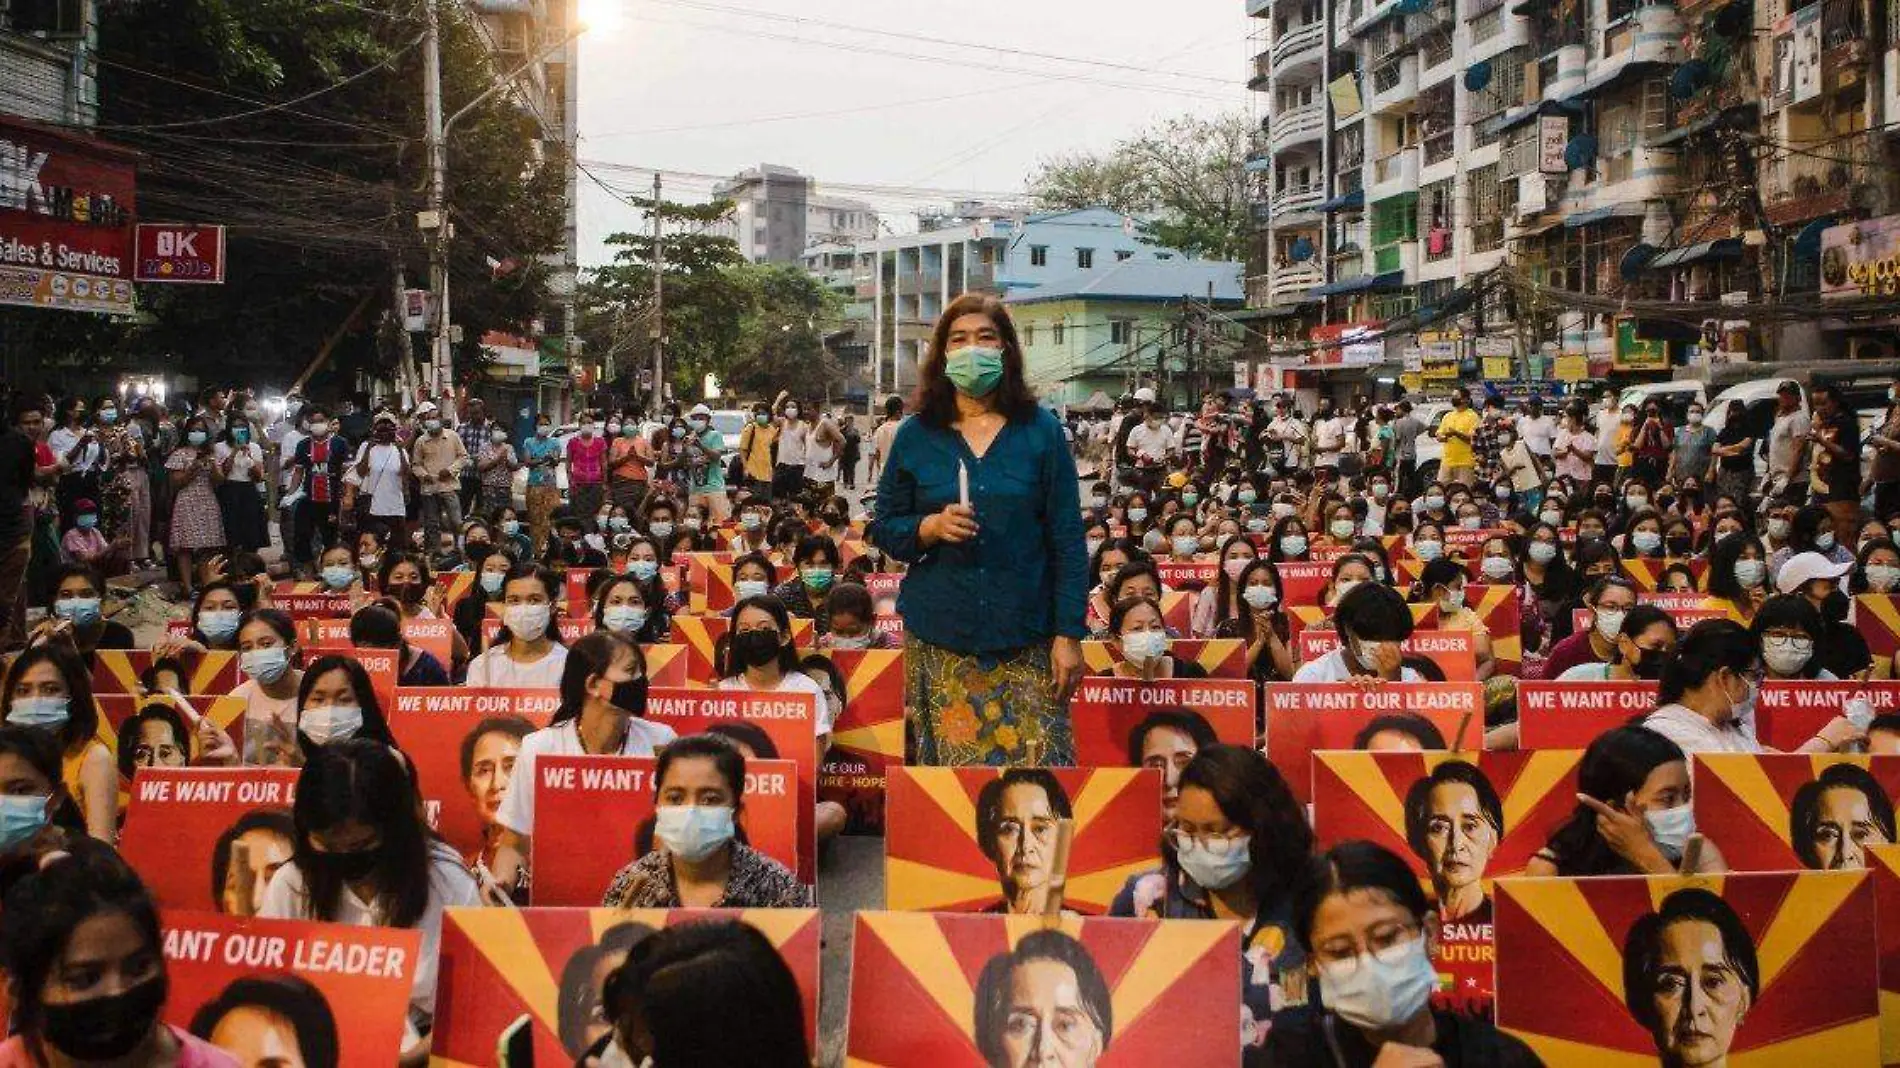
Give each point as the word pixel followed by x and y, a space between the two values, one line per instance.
pixel 1767 968
pixel 1137 993
pixel 67 207
pixel 1462 821
pixel 180 252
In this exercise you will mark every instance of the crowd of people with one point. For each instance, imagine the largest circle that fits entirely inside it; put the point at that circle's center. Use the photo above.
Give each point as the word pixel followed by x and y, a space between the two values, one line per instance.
pixel 1009 563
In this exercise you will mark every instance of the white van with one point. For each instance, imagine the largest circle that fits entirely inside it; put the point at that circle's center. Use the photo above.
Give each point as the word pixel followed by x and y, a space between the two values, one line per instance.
pixel 1673 397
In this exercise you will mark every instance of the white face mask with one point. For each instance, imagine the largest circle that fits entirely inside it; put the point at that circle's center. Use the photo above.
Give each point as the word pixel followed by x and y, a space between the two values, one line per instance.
pixel 1787 656
pixel 1378 995
pixel 330 723
pixel 1609 623
pixel 1259 596
pixel 1883 577
pixel 1144 646
pixel 1670 828
pixel 526 621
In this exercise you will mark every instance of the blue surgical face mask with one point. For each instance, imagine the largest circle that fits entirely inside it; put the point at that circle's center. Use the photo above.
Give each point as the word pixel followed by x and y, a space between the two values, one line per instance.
pixel 1670 828
pixel 1144 646
pixel 750 521
pixel 626 618
pixel 219 625
pixel 87 521
pixel 692 832
pixel 197 437
pixel 745 588
pixel 1428 550
pixel 1375 995
pixel 1136 515
pixel 1215 871
pixel 1646 541
pixel 1186 544
pixel 21 817
pixel 1293 544
pixel 491 582
pixel 79 611
pixel 39 711
pixel 818 578
pixel 266 665
pixel 339 576
pixel 644 570
pixel 1247 496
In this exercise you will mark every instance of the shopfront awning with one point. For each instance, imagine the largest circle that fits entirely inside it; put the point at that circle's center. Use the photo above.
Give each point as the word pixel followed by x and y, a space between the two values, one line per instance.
pixel 1593 216
pixel 1727 248
pixel 1388 280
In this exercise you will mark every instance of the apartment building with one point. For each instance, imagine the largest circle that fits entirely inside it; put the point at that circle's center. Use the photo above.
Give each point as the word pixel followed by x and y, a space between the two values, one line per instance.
pixel 48 71
pixel 1581 156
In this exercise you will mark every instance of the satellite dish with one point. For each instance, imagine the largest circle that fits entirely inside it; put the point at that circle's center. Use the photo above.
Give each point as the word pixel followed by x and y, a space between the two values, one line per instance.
pixel 1635 261
pixel 1477 76
pixel 1580 151
pixel 1301 251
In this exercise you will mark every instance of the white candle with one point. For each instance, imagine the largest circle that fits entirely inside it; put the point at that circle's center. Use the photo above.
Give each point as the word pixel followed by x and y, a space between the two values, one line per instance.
pixel 963 484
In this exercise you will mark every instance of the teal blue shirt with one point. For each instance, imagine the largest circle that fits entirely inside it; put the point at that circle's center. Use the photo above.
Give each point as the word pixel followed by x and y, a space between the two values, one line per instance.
pixel 540 448
pixel 1022 580
pixel 714 443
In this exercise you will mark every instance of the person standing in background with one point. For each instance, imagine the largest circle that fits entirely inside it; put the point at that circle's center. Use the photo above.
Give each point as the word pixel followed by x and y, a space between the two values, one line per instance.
pixel 885 432
pixel 1788 446
pixel 1835 480
pixel 495 466
pixel 629 455
pixel 853 449
pixel 794 435
pixel 81 458
pixel 1458 429
pixel 381 476
pixel 439 459
pixel 1405 431
pixel 1689 460
pixel 241 494
pixel 473 430
pixel 822 449
pixel 755 451
pixel 708 484
pixel 1883 474
pixel 1537 431
pixel 587 466
pixel 542 454
pixel 1609 417
pixel 1574 447
pixel 17 446
pixel 994 598
pixel 196 522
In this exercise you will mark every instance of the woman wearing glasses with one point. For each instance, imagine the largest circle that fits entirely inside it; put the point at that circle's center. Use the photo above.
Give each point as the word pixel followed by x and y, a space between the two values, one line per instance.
pixel 1236 842
pixel 1367 932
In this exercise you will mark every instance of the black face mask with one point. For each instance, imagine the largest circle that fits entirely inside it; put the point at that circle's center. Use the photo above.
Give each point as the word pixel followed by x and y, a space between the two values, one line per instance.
pixel 631 696
pixel 1834 607
pixel 409 592
pixel 353 866
pixel 1648 664
pixel 755 648
pixel 107 1028
pixel 1679 545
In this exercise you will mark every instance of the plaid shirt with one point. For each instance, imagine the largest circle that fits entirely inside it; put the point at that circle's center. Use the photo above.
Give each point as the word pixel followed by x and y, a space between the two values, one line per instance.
pixel 1484 441
pixel 474 435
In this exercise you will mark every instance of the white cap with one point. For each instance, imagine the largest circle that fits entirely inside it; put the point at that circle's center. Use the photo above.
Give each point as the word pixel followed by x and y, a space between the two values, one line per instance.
pixel 701 409
pixel 1145 395
pixel 1803 568
pixel 427 408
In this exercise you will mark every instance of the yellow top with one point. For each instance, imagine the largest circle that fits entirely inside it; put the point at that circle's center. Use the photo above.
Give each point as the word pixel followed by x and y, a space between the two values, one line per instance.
pixel 755 450
pixel 69 771
pixel 1457 451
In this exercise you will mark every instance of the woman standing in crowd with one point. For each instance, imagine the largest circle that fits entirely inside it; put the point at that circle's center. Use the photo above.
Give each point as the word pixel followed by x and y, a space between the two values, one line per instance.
pixel 127 490
pixel 603 689
pixel 495 467
pixel 49 689
pixel 979 497
pixel 241 493
pixel 197 522
pixel 364 857
pixel 701 859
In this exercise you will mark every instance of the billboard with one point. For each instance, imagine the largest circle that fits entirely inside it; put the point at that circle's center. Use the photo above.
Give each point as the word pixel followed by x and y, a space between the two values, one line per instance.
pixel 1861 259
pixel 179 252
pixel 66 208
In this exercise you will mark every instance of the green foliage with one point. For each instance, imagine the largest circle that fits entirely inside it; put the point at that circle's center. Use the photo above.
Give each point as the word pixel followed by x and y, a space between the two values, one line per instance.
pixel 1186 177
pixel 756 327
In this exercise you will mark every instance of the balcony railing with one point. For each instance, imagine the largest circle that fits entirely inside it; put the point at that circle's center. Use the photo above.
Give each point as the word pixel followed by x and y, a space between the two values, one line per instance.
pixel 1298 125
pixel 1297 198
pixel 1819 180
pixel 1441 148
pixel 1437 49
pixel 1487 235
pixel 1400 257
pixel 1293 280
pixel 1298 44
pixel 1400 167
pixel 1396 83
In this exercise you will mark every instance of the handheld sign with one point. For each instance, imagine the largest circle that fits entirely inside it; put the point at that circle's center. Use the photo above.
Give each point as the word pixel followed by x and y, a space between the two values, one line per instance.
pixel 594 816
pixel 464 742
pixel 1452 652
pixel 1110 714
pixel 868 738
pixel 1785 811
pixel 1569 715
pixel 1789 712
pixel 181 820
pixel 1304 718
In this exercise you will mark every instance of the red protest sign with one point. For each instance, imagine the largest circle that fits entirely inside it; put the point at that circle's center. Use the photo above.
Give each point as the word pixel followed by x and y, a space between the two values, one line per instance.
pixel 255 987
pixel 1461 821
pixel 1788 712
pixel 1106 713
pixel 1304 718
pixel 1884 862
pixel 1588 968
pixel 788 722
pixel 1569 715
pixel 1222 658
pixel 177 818
pixel 489 957
pixel 1188 574
pixel 301 606
pixel 441 728
pixel 1301 581
pixel 1451 652
pixel 943 854
pixel 868 738
pixel 594 816
pixel 223 710
pixel 703 637
pixel 179 252
pixel 1779 811
pixel 383 665
pixel 1877 617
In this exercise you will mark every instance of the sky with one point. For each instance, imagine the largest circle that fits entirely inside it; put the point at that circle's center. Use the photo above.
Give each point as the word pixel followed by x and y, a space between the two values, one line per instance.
pixel 687 86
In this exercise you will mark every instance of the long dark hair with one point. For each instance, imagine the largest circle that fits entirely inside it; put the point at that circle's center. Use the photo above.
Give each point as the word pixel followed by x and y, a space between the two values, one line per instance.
pixel 41 752
pixel 591 658
pixel 363 781
pixel 935 401
pixel 771 606
pixel 1616 764
pixel 713 995
pixel 1350 866
pixel 1252 794
pixel 375 726
pixel 82 716
pixel 291 997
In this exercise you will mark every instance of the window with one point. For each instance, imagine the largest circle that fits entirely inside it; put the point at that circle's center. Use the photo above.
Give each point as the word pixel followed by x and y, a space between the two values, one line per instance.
pixel 1084 259
pixel 1039 255
pixel 1124 254
pixel 1121 331
pixel 1164 255
pixel 1057 331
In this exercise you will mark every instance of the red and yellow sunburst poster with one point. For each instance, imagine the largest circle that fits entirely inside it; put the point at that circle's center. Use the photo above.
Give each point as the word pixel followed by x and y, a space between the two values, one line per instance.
pixel 1569 715
pixel 328 993
pixel 1884 862
pixel 1789 712
pixel 1462 820
pixel 545 967
pixel 868 737
pixel 1221 658
pixel 593 815
pixel 224 711
pixel 209 838
pixel 1769 968
pixel 1111 717
pixel 1497 606
pixel 1782 811
pixel 1877 617
pixel 464 742
pixel 1306 717
pixel 701 636
pixel 984 839
pixel 943 991
pixel 118 670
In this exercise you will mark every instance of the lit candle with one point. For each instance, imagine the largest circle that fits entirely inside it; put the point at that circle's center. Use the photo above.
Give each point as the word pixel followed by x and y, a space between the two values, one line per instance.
pixel 963 484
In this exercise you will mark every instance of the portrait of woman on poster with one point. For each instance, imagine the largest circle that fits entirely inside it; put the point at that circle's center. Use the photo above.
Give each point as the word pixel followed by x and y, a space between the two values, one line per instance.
pixel 1690 977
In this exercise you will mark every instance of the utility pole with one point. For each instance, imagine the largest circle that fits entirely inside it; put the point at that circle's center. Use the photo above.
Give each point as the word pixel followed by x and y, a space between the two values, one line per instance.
pixel 439 378
pixel 659 303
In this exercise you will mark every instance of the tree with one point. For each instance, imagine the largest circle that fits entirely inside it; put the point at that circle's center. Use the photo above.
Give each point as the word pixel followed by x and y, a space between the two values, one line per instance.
pixel 756 328
pixel 1186 176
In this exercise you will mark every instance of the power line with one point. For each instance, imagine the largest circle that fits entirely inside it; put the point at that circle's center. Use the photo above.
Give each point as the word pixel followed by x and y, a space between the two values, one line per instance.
pixel 267 108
